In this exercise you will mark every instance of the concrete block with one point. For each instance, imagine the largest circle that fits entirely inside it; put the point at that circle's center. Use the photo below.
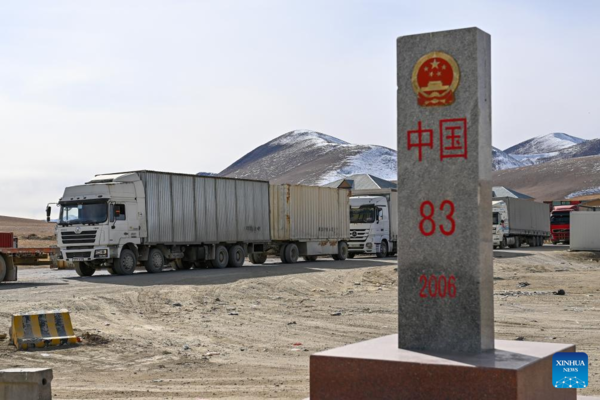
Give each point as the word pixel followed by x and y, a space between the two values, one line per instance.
pixel 26 384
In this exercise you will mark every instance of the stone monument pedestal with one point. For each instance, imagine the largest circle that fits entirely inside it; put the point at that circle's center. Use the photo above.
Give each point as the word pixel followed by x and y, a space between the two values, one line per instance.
pixel 378 369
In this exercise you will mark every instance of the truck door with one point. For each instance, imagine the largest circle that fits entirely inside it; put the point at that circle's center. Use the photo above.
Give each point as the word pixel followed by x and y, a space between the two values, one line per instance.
pixel 384 222
pixel 119 229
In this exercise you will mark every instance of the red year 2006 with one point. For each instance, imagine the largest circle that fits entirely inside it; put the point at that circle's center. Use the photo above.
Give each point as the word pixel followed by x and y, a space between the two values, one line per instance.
pixel 438 286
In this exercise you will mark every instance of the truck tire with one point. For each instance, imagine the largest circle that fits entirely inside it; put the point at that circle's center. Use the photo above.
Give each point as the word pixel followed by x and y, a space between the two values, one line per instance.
pixel 383 250
pixel 291 253
pixel 282 255
pixel 342 252
pixel 310 258
pixel 83 269
pixel 3 268
pixel 257 258
pixel 236 256
pixel 126 263
pixel 155 262
pixel 221 257
pixel 503 244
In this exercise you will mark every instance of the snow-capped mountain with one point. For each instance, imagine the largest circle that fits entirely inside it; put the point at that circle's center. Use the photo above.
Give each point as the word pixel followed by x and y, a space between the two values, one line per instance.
pixel 312 158
pixel 541 149
pixel 544 144
pixel 501 160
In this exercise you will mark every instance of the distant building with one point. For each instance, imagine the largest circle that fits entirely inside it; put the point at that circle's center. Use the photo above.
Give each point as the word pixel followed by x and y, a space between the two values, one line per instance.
pixel 362 182
pixel 501 191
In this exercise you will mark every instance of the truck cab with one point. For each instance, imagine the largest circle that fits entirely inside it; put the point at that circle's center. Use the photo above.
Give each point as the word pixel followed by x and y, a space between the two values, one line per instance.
pixel 560 223
pixel 100 219
pixel 370 226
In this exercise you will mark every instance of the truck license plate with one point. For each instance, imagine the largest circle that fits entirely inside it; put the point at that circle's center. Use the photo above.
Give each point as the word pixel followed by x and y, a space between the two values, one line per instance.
pixel 78 259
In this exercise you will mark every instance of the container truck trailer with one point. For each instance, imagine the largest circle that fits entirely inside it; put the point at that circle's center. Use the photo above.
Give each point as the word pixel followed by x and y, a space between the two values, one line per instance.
pixel 519 221
pixel 11 256
pixel 116 221
pixel 373 222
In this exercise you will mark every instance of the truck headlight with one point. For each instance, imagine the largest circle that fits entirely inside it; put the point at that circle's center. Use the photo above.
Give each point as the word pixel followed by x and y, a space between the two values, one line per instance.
pixel 369 245
pixel 102 253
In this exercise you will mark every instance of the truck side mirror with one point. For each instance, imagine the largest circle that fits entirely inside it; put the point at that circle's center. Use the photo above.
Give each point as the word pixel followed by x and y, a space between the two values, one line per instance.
pixel 48 210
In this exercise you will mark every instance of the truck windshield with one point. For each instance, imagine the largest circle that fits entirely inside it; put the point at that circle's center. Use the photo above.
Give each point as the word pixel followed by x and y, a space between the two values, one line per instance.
pixel 496 218
pixel 364 214
pixel 560 218
pixel 83 213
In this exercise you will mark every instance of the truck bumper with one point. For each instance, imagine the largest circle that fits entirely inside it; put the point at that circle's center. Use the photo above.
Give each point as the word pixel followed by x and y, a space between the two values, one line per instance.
pixel 96 253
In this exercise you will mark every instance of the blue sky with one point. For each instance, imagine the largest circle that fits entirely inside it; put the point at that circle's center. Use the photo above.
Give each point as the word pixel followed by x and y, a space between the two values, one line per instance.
pixel 188 86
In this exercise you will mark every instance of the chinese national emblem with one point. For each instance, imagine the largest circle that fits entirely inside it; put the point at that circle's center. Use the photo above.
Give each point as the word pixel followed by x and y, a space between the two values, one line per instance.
pixel 435 78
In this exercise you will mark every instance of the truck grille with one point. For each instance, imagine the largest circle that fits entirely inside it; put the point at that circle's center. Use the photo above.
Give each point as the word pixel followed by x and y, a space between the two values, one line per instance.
pixel 78 238
pixel 79 254
pixel 358 235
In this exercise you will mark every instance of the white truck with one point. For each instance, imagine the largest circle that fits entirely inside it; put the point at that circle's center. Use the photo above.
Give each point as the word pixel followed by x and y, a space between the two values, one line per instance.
pixel 373 222
pixel 519 221
pixel 116 220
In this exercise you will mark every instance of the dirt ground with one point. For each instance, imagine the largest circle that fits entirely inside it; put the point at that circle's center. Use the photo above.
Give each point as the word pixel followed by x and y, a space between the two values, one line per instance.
pixel 249 332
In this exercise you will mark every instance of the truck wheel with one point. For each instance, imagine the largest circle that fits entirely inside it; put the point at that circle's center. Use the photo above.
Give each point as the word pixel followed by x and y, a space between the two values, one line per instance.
pixel 342 252
pixel 282 255
pixel 83 269
pixel 126 263
pixel 291 253
pixel 2 268
pixel 155 261
pixel 236 256
pixel 221 257
pixel 383 250
pixel 257 258
pixel 310 258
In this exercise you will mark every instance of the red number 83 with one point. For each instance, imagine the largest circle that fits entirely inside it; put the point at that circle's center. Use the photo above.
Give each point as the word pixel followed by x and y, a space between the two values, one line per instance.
pixel 427 225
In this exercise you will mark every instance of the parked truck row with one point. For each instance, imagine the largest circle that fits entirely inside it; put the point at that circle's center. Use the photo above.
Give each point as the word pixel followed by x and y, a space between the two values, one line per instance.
pixel 116 221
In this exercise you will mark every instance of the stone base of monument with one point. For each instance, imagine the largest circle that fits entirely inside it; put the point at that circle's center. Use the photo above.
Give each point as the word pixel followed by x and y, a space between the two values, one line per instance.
pixel 377 369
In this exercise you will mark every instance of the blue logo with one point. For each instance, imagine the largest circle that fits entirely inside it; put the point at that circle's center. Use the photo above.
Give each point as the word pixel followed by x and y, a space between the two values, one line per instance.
pixel 570 370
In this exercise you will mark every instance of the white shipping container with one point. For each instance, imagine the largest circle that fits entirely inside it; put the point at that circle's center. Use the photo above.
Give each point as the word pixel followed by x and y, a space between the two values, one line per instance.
pixel 306 213
pixel 585 231
pixel 187 209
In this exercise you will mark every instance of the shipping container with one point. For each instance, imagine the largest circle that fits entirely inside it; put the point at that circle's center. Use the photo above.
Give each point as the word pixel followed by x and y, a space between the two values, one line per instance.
pixel 305 213
pixel 186 209
pixel 585 231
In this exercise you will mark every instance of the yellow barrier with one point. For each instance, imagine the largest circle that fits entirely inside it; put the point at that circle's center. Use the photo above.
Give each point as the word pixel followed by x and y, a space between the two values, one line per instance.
pixel 42 329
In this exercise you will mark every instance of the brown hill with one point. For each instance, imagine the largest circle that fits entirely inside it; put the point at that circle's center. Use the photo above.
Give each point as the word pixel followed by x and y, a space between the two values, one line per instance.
pixel 553 180
pixel 31 232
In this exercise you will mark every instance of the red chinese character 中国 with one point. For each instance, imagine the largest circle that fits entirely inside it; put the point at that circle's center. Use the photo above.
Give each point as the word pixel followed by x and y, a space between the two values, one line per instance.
pixel 420 140
pixel 453 138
